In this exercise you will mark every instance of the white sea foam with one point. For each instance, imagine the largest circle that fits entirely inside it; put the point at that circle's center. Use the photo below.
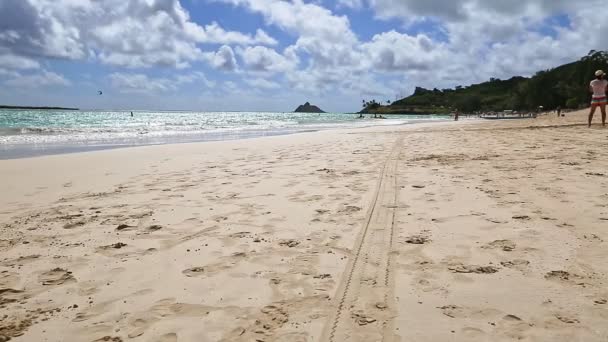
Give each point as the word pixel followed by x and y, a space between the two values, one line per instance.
pixel 65 130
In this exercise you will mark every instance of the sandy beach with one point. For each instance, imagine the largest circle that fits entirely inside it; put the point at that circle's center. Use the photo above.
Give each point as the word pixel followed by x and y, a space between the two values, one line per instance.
pixel 468 231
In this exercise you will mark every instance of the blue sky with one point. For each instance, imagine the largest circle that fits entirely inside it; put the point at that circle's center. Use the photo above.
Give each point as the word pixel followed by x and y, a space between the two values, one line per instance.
pixel 272 55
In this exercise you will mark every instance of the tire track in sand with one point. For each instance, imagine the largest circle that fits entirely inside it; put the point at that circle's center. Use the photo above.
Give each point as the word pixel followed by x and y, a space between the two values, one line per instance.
pixel 363 303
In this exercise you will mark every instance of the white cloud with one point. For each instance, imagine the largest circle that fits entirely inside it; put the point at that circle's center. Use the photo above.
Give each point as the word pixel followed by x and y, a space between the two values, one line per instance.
pixel 413 10
pixel 193 78
pixel 37 80
pixel 213 33
pixel 260 83
pixel 139 83
pixel 261 37
pixel 356 4
pixel 323 39
pixel 9 73
pixel 327 38
pixel 392 51
pixel 17 62
pixel 299 17
pixel 223 59
pixel 263 59
pixel 482 39
pixel 137 33
pixel 230 87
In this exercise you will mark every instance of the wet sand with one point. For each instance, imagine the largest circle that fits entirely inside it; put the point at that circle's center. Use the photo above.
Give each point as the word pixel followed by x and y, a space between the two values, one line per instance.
pixel 472 231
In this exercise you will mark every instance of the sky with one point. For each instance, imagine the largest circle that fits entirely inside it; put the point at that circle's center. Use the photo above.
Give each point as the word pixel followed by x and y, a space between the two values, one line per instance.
pixel 272 55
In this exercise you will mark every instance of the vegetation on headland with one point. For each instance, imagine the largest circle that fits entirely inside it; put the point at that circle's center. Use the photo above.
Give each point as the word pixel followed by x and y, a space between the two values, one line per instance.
pixel 36 108
pixel 566 86
pixel 308 108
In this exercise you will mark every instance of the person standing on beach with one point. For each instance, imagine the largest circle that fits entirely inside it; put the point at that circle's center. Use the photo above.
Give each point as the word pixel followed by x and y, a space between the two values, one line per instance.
pixel 599 88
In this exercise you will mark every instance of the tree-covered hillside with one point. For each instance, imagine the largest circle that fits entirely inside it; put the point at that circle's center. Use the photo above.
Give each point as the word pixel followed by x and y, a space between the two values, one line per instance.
pixel 565 86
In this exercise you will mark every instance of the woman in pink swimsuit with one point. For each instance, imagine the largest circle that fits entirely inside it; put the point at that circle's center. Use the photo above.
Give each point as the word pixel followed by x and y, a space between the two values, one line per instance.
pixel 599 88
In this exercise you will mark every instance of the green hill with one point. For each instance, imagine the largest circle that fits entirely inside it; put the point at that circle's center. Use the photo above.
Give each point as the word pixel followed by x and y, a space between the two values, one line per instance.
pixel 565 86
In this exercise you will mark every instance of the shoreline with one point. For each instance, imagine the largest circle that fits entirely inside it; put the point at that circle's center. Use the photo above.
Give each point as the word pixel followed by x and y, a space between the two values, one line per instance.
pixel 465 231
pixel 36 108
pixel 31 150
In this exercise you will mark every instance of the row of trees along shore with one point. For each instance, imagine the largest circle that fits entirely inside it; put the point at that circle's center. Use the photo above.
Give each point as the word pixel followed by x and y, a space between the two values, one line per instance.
pixel 566 86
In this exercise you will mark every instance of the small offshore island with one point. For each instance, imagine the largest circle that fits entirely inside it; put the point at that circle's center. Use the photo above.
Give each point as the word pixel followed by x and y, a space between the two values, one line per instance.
pixel 308 108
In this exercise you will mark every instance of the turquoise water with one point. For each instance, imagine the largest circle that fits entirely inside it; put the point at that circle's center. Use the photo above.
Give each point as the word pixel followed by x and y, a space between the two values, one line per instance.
pixel 35 132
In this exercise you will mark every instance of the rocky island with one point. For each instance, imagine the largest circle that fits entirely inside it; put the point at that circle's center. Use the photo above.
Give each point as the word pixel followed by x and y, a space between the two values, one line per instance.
pixel 308 108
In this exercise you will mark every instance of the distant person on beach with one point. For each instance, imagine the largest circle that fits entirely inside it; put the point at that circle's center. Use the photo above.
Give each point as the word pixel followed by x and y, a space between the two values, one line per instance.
pixel 456 115
pixel 131 114
pixel 599 88
pixel 559 111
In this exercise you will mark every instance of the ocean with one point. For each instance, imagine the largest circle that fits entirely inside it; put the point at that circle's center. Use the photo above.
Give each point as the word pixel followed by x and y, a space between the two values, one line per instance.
pixel 26 133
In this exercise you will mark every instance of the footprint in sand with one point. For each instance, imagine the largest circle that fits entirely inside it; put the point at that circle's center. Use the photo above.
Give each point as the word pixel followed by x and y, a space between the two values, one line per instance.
pixel 452 311
pixel 109 339
pixel 417 239
pixel 265 323
pixel 563 276
pixel 455 311
pixel 471 332
pixel 9 279
pixel 274 317
pixel 8 296
pixel 567 319
pixel 512 318
pixel 72 225
pixel 139 327
pixel 459 268
pixel 194 271
pixel 170 337
pixel 122 227
pixel 289 243
pixel 322 276
pixel 349 209
pixel 56 276
pixel 517 263
pixel 207 270
pixel 126 227
pixel 362 319
pixel 117 245
pixel 240 235
pixel 426 285
pixel 22 260
pixel 505 245
pixel 154 227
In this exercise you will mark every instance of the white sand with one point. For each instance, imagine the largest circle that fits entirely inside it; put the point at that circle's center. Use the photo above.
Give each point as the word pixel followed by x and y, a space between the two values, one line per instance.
pixel 486 231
